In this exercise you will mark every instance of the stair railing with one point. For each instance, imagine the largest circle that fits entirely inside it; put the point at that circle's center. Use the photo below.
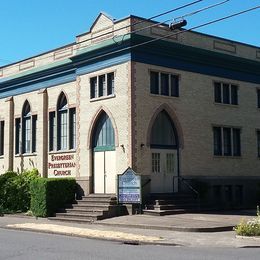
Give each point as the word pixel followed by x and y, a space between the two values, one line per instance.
pixel 148 181
pixel 143 185
pixel 184 181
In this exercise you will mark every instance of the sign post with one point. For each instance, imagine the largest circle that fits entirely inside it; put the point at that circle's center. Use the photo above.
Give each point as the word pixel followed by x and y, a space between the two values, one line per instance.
pixel 129 188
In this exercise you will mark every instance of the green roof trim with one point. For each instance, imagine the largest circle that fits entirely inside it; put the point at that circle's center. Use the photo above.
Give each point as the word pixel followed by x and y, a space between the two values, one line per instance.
pixel 115 40
pixel 38 69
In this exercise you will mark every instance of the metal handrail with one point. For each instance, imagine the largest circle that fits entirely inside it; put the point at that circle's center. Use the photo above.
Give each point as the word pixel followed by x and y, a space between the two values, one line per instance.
pixel 189 185
pixel 148 181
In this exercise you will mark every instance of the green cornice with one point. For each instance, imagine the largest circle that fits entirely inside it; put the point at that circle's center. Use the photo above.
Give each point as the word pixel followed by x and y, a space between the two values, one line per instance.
pixel 116 42
pixel 160 49
pixel 38 69
pixel 196 55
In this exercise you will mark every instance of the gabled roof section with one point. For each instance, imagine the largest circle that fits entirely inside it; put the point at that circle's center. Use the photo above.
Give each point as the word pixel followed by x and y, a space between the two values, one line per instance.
pixel 102 21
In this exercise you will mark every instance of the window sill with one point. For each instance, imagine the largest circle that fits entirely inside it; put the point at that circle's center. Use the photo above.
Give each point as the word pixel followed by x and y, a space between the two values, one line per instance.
pixel 1 157
pixel 102 98
pixel 226 105
pixel 26 155
pixel 63 151
pixel 164 96
pixel 227 157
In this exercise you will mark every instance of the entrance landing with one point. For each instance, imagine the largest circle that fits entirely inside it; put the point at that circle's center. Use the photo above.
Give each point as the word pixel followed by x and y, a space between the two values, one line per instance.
pixel 188 222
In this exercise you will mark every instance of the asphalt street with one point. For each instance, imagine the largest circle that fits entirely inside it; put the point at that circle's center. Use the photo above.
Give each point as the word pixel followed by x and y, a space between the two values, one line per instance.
pixel 29 245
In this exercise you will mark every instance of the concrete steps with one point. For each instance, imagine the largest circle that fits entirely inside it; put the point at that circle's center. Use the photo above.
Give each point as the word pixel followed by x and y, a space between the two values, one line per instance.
pixel 89 208
pixel 170 204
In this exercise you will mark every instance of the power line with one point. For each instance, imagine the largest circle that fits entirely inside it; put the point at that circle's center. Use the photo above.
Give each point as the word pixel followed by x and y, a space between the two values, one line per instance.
pixel 169 35
pixel 131 25
pixel 202 9
pixel 175 9
pixel 176 33
pixel 166 21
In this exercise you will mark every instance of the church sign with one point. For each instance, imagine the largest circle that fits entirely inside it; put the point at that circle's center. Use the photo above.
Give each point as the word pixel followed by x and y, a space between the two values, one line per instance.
pixel 129 187
pixel 62 165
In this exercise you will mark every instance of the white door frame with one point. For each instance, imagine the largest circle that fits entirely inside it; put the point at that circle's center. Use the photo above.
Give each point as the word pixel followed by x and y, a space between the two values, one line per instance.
pixel 104 171
pixel 164 181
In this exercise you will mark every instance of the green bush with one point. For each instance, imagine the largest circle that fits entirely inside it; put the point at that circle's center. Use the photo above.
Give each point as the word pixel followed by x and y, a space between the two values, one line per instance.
pixel 48 195
pixel 1 211
pixel 4 179
pixel 15 190
pixel 250 227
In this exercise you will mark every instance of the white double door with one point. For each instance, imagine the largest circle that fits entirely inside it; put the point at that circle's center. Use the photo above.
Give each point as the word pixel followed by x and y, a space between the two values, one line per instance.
pixel 164 176
pixel 105 172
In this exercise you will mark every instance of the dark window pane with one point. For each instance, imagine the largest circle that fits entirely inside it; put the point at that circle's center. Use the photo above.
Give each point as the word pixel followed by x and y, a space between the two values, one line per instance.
pixel 226 97
pixel 72 126
pixel 2 124
pixel 258 98
pixel 93 87
pixel 258 143
pixel 236 142
pixel 164 84
pixel 174 86
pixel 110 83
pixel 227 141
pixel 34 131
pixel 217 194
pixel 217 91
pixel 101 85
pixel 17 135
pixel 234 99
pixel 239 195
pixel 51 131
pixel 104 136
pixel 228 193
pixel 154 82
pixel 217 141
pixel 163 134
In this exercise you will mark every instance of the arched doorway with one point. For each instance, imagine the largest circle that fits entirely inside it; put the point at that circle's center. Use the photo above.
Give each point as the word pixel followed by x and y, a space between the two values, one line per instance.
pixel 104 155
pixel 164 155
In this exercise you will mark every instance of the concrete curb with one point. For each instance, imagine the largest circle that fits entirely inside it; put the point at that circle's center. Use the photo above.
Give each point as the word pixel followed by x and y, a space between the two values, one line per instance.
pixel 128 242
pixel 171 228
pixel 249 237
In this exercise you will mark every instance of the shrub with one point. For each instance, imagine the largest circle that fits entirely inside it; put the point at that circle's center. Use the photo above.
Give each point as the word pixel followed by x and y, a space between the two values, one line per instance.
pixel 1 211
pixel 6 191
pixel 250 227
pixel 48 195
pixel 15 190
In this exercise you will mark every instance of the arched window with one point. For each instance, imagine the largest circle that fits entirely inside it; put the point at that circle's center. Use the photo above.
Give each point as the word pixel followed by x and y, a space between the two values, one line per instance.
pixel 27 128
pixel 26 133
pixel 104 136
pixel 163 135
pixel 62 126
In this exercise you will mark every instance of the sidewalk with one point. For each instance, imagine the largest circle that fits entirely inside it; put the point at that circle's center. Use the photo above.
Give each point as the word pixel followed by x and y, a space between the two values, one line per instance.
pixel 196 230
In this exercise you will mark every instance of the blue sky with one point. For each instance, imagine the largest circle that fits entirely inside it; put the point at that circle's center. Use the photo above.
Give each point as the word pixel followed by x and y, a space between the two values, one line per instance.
pixel 29 27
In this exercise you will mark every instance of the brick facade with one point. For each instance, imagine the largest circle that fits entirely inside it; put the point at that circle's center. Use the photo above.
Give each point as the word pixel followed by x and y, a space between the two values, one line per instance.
pixel 132 109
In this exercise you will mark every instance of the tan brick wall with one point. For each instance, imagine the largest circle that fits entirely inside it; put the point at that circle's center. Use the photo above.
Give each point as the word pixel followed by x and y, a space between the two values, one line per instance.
pixel 197 113
pixel 198 40
pixel 117 108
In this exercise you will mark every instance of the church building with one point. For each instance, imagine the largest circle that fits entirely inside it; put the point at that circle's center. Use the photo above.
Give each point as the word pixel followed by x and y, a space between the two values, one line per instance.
pixel 181 108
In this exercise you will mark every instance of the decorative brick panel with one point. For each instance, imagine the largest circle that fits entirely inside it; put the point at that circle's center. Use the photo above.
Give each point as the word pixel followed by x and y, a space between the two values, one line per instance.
pixel 26 65
pixel 224 46
pixel 63 53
